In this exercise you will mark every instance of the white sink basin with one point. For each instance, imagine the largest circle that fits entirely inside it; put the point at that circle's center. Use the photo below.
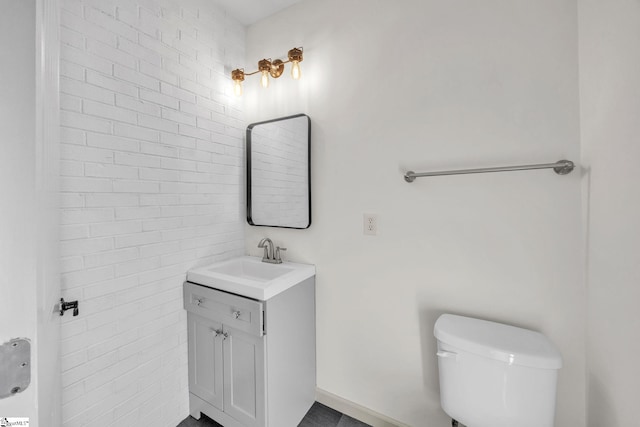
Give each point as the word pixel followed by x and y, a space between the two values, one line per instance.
pixel 250 277
pixel 247 268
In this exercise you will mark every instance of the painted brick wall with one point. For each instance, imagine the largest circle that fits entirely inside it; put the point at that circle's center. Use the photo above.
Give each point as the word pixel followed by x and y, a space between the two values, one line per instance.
pixel 152 149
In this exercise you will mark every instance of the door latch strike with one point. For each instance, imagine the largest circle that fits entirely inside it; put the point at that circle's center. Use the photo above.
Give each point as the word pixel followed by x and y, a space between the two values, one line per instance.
pixel 15 367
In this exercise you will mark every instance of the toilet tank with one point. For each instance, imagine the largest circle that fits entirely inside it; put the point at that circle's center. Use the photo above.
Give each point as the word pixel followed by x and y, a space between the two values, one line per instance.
pixel 496 375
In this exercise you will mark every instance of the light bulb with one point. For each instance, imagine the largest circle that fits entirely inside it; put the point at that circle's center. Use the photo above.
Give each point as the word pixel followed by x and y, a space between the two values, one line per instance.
pixel 264 80
pixel 237 87
pixel 295 70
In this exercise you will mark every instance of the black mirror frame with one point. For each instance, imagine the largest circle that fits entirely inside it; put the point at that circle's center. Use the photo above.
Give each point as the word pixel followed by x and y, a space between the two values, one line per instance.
pixel 248 186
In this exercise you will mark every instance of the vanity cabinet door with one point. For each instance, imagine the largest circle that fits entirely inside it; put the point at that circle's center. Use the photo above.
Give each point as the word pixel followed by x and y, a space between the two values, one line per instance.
pixel 244 385
pixel 206 359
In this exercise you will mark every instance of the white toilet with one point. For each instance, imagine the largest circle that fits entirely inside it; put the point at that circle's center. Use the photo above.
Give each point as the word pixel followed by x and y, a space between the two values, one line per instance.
pixel 495 375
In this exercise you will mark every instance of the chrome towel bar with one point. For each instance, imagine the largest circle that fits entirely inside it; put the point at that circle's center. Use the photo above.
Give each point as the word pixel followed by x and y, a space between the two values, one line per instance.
pixel 561 167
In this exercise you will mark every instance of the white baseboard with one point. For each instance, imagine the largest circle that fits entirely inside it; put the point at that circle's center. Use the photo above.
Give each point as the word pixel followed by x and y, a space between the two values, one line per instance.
pixel 356 411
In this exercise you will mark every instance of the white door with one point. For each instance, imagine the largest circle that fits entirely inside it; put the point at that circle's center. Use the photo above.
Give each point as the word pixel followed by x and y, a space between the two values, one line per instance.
pixel 29 285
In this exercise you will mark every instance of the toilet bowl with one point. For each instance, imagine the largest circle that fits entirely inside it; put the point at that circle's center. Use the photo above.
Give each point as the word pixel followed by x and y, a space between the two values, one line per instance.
pixel 496 375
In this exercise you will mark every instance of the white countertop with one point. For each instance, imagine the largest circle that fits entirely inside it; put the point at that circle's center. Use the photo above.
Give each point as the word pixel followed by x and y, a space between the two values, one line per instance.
pixel 250 277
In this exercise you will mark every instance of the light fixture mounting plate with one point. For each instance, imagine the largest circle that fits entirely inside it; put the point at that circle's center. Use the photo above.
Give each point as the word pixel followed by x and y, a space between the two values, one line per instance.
pixel 277 68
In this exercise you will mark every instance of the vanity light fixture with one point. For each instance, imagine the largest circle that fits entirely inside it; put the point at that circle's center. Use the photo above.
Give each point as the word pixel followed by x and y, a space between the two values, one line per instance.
pixel 267 68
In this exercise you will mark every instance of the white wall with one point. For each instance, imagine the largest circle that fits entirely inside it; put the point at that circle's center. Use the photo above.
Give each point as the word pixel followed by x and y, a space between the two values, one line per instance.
pixel 610 124
pixel 430 85
pixel 151 185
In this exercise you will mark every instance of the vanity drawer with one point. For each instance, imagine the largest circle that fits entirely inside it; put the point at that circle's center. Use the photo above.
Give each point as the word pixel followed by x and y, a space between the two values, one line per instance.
pixel 232 310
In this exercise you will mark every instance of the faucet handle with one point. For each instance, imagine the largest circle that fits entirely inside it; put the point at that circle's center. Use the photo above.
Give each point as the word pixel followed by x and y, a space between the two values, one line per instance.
pixel 277 257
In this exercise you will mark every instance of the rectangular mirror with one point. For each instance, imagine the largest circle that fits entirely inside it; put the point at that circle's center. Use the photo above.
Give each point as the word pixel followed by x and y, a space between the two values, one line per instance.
pixel 279 172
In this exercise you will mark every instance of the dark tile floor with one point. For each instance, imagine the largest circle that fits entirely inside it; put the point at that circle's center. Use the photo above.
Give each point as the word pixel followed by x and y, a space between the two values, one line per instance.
pixel 318 416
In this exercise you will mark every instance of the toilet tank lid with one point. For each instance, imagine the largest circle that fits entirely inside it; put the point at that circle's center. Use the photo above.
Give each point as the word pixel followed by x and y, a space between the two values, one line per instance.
pixel 516 346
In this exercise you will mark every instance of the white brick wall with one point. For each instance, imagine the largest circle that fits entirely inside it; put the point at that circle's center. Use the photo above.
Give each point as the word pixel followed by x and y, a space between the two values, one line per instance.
pixel 151 186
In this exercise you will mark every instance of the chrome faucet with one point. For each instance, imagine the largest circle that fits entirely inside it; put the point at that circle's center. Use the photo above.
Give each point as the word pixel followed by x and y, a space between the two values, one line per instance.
pixel 270 256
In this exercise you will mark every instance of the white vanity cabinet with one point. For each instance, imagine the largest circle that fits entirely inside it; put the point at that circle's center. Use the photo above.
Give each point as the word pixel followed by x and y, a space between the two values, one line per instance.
pixel 251 362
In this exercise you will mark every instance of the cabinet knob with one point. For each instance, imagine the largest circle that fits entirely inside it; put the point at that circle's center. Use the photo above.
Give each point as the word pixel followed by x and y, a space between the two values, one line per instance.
pixel 216 331
pixel 199 301
pixel 225 335
pixel 236 314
